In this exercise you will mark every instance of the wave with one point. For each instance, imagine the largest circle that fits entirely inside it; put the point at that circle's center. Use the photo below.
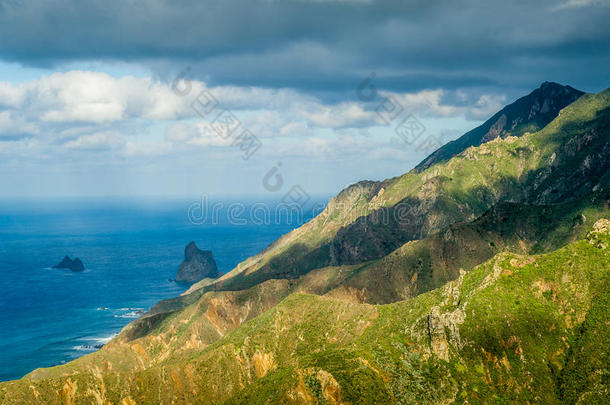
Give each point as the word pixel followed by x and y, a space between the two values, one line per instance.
pixel 105 339
pixel 86 348
pixel 131 314
pixel 97 343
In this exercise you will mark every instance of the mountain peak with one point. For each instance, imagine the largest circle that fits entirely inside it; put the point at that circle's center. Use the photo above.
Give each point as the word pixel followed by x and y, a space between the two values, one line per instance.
pixel 529 113
pixel 553 89
pixel 547 84
pixel 190 250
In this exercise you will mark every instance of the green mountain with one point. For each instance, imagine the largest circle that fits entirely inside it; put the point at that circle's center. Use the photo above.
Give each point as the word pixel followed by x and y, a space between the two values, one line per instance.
pixel 565 161
pixel 481 278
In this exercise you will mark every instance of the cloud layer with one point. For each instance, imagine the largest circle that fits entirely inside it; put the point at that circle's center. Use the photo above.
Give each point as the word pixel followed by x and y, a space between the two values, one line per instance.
pixel 82 120
pixel 324 45
pixel 83 109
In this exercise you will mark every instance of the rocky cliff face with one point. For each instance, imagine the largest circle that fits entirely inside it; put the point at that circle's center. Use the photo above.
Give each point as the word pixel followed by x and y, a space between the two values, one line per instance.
pixel 197 265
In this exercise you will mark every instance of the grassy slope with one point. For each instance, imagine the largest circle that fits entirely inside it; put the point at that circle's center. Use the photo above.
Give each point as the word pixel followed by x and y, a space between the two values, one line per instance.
pixel 417 267
pixel 516 328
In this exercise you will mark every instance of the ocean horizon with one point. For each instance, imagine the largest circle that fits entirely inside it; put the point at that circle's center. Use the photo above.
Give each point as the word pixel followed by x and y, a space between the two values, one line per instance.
pixel 131 248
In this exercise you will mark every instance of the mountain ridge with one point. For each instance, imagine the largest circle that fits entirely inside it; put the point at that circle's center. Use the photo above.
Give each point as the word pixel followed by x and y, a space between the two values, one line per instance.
pixel 541 106
pixel 434 200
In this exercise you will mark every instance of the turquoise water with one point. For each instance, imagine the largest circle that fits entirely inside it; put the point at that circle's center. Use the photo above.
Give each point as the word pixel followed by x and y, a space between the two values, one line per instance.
pixel 131 248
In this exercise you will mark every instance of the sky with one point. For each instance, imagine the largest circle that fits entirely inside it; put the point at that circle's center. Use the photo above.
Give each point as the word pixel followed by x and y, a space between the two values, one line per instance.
pixel 264 97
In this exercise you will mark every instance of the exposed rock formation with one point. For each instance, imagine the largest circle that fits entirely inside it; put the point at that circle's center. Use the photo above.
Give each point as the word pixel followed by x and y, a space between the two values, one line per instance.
pixel 600 228
pixel 197 265
pixel 67 263
pixel 443 327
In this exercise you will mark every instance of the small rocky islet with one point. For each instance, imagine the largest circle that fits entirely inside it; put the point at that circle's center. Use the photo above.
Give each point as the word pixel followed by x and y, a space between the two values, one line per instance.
pixel 69 264
pixel 197 265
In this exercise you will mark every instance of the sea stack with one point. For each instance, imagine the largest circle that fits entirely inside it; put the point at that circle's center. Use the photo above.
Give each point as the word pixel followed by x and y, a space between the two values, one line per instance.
pixel 67 263
pixel 197 265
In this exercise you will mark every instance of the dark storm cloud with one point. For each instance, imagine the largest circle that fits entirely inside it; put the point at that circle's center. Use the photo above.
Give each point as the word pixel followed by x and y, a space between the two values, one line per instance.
pixel 325 45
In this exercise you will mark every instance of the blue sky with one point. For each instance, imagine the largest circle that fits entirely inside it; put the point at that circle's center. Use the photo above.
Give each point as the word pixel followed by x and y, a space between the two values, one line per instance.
pixel 90 104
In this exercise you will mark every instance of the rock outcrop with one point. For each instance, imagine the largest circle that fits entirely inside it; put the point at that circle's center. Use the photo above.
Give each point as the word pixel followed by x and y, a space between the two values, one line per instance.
pixel 67 263
pixel 197 265
pixel 601 228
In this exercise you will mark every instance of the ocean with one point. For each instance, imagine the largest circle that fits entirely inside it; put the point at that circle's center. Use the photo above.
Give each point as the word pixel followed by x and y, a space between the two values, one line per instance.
pixel 131 249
